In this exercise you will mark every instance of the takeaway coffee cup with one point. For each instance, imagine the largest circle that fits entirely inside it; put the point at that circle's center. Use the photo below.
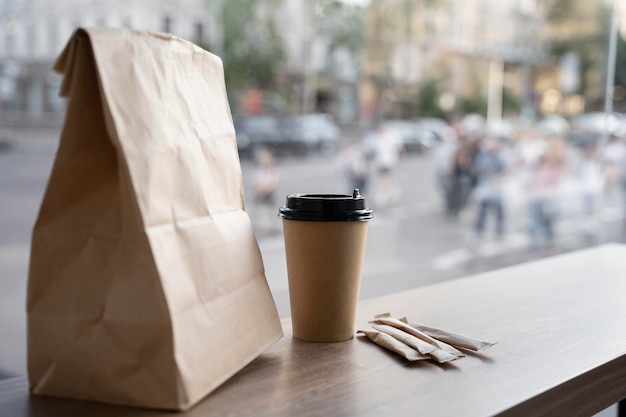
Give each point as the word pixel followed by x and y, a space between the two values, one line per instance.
pixel 325 238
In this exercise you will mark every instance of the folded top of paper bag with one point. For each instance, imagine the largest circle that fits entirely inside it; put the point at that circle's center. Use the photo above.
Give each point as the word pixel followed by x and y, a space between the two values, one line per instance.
pixel 166 106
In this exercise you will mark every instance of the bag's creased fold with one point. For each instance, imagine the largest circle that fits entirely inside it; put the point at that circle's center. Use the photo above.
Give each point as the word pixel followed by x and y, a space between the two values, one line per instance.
pixel 146 284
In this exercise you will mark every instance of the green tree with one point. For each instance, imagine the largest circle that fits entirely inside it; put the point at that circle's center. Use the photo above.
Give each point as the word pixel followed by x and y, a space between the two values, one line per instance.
pixel 427 100
pixel 252 49
pixel 583 29
pixel 510 101
pixel 557 10
pixel 341 23
pixel 476 105
pixel 339 27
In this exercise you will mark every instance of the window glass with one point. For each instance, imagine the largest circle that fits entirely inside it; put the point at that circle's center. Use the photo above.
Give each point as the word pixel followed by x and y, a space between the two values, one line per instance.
pixel 482 133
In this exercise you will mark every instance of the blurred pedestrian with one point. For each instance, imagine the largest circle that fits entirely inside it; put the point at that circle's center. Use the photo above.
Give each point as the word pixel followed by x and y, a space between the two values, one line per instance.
pixel 591 182
pixel 443 159
pixel 543 196
pixel 354 167
pixel 265 183
pixel 388 150
pixel 489 168
pixel 528 151
pixel 622 184
pixel 612 159
pixel 462 180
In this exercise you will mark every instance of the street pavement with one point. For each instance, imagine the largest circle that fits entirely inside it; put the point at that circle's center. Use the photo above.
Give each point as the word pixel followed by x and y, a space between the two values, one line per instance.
pixel 411 242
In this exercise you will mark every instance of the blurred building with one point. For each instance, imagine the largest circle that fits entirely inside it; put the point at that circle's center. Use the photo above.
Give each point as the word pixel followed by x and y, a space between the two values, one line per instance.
pixel 579 39
pixel 356 63
pixel 321 64
pixel 473 50
pixel 34 32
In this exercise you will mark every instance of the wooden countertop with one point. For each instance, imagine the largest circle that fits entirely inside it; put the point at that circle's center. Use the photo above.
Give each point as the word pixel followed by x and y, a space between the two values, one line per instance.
pixel 560 324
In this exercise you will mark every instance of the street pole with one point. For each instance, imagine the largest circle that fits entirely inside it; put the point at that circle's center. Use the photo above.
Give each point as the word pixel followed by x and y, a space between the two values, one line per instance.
pixel 610 76
pixel 309 80
pixel 495 90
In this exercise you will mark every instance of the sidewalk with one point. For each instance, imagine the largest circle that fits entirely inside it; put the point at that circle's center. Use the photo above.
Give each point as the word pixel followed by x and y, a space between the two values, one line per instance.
pixel 25 161
pixel 30 139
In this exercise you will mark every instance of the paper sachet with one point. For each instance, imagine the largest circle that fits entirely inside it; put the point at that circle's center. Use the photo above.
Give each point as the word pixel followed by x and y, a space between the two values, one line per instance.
pixel 394 345
pixel 451 338
pixel 431 351
pixel 427 342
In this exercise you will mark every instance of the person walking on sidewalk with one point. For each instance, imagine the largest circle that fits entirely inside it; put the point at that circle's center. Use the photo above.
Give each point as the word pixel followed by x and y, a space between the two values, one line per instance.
pixel 388 150
pixel 354 168
pixel 265 183
pixel 462 178
pixel 543 191
pixel 591 180
pixel 489 168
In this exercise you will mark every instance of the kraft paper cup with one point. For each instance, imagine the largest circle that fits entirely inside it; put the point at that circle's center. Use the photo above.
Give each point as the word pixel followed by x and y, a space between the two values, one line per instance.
pixel 325 237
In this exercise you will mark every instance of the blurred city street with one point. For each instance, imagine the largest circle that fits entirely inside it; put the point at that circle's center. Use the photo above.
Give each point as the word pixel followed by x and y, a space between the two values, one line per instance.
pixel 412 241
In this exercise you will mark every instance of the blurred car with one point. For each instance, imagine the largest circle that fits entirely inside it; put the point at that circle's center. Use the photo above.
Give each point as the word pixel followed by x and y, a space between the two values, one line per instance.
pixel 314 132
pixel 590 128
pixel 599 122
pixel 583 139
pixel 596 121
pixel 414 137
pixel 554 124
pixel 433 130
pixel 502 129
pixel 474 124
pixel 266 131
pixel 6 144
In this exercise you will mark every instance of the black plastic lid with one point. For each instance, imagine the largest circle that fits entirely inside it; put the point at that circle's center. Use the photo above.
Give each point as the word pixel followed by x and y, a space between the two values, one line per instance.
pixel 325 207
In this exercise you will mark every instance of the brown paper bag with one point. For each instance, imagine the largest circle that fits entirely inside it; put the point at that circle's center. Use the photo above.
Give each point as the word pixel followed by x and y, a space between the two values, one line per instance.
pixel 146 284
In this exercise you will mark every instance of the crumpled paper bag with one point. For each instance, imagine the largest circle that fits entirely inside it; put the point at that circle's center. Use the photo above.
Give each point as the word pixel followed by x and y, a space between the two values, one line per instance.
pixel 146 284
